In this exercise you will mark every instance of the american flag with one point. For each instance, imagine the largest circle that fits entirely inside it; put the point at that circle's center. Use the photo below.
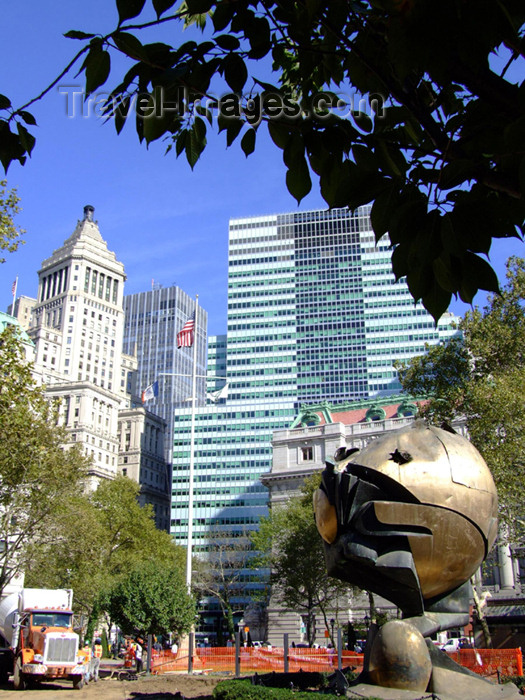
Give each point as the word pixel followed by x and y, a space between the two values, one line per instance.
pixel 185 336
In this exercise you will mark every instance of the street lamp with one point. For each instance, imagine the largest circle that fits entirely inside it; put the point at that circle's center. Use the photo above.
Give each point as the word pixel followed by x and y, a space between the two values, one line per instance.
pixel 332 623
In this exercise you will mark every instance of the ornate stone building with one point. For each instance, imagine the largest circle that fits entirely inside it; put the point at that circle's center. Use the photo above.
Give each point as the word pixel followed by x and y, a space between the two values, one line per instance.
pixel 76 324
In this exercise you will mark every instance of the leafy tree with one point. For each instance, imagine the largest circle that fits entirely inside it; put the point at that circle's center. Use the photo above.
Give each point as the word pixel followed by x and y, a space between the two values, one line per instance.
pixel 37 476
pixel 482 378
pixel 292 549
pixel 441 374
pixel 151 599
pixel 222 574
pixel 98 539
pixel 10 235
pixel 406 103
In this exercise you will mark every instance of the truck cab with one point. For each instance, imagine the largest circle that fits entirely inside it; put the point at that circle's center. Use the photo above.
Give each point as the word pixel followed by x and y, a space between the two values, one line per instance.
pixel 39 631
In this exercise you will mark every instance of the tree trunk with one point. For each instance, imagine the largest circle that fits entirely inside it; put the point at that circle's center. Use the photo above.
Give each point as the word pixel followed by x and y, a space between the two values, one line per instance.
pixel 93 619
pixel 310 626
pixel 372 604
pixel 228 613
pixel 478 606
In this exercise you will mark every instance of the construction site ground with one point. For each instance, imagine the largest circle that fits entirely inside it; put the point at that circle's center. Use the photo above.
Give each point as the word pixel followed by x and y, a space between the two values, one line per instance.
pixel 166 687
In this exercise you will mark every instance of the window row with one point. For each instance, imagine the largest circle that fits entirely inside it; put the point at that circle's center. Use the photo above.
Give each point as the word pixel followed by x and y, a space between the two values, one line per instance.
pixel 101 285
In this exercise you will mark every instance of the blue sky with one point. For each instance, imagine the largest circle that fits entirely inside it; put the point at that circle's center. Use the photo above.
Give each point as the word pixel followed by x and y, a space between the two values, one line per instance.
pixel 163 221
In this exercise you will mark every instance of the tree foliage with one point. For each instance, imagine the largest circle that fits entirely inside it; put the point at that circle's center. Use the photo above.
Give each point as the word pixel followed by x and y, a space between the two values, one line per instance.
pixel 37 476
pixel 151 599
pixel 407 104
pixel 482 377
pixel 98 539
pixel 292 549
pixel 10 234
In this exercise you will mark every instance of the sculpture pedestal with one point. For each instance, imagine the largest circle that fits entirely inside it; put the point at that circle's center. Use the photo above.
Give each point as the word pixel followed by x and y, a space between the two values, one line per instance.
pixel 489 691
pixel 400 664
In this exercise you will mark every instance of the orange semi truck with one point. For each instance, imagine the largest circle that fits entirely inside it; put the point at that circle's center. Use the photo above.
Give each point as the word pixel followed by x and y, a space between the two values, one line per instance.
pixel 39 643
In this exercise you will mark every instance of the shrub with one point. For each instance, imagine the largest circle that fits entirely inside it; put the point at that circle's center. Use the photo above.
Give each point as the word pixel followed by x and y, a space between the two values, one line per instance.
pixel 244 690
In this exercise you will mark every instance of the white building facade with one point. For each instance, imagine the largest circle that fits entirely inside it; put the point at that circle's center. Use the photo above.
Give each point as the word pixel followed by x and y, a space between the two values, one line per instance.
pixel 76 324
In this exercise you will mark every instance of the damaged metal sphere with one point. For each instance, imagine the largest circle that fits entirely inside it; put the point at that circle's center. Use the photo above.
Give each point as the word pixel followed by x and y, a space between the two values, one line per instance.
pixel 410 517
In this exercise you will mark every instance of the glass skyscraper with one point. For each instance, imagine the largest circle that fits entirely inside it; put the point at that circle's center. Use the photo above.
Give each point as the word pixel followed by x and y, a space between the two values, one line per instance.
pixel 314 314
pixel 152 321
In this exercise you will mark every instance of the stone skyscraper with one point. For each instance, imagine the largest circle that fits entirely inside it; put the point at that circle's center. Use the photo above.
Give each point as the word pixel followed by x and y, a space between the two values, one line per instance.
pixel 77 325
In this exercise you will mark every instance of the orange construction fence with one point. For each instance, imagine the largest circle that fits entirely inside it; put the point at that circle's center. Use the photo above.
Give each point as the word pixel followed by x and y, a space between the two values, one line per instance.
pixel 487 662
pixel 222 659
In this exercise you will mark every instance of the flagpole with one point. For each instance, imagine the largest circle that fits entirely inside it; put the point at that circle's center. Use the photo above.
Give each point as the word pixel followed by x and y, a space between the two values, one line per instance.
pixel 189 549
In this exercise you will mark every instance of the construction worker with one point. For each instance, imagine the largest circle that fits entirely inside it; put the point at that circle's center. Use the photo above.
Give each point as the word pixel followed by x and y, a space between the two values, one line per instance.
pixel 97 655
pixel 129 655
pixel 86 652
pixel 138 657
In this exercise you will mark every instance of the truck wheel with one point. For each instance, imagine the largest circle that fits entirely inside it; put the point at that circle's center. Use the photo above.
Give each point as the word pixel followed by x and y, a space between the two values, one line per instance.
pixel 78 682
pixel 19 680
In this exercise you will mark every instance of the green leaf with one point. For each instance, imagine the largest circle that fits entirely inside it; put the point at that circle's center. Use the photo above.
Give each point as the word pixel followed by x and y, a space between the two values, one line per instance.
pixel 446 271
pixel 363 121
pixel 365 158
pixel 130 45
pixel 450 238
pixel 521 176
pixel 408 218
pixel 298 180
pixel 161 6
pixel 10 146
pixel 196 141
pixel 456 172
pixel 348 186
pixel 159 121
pixel 419 280
pixel 232 130
pixel 222 15
pixel 5 102
pixel 258 33
pixel 180 144
pixel 279 133
pixel 294 150
pixel 26 139
pixel 129 8
pixel 235 72
pixel 228 42
pixel 436 301
pixel 205 112
pixel 400 261
pixel 198 7
pixel 391 158
pixel 248 142
pixel 27 117
pixel 98 66
pixel 382 208
pixel 121 112
pixel 75 34
pixel 425 239
pixel 477 274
